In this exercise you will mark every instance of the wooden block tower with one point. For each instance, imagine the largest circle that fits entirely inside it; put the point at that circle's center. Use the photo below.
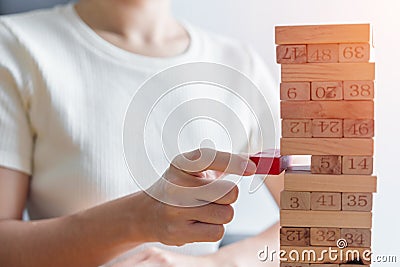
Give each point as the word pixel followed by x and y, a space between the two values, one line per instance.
pixel 327 111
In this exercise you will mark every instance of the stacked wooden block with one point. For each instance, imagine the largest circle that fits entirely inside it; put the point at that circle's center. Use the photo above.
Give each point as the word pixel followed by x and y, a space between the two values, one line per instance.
pixel 327 112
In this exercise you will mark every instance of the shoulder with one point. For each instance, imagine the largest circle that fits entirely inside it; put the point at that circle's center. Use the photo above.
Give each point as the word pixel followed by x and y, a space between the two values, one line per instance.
pixel 35 26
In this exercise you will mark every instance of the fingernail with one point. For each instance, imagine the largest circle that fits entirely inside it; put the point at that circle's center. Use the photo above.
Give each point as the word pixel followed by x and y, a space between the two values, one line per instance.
pixel 249 167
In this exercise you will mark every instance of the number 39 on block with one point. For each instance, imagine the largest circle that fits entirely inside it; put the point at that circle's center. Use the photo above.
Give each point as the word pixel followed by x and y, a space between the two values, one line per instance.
pixel 354 52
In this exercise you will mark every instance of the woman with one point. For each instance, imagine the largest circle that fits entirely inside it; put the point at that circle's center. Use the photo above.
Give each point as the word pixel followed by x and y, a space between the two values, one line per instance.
pixel 66 77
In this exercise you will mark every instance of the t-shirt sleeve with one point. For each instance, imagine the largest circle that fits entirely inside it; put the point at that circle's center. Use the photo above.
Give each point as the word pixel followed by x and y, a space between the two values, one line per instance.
pixel 16 135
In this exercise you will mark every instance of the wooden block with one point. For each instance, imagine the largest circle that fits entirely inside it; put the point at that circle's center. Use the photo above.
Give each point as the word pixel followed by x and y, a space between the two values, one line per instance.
pixel 303 181
pixel 295 236
pixel 291 54
pixel 353 265
pixel 320 72
pixel 295 200
pixel 316 218
pixel 323 53
pixel 324 236
pixel 326 164
pixel 327 109
pixel 356 237
pixel 324 265
pixel 358 90
pixel 327 90
pixel 323 34
pixel 318 255
pixel 296 128
pixel 270 162
pixel 357 201
pixel 327 146
pixel 358 128
pixel 296 91
pixel 293 264
pixel 327 128
pixel 326 201
pixel 359 52
pixel 357 165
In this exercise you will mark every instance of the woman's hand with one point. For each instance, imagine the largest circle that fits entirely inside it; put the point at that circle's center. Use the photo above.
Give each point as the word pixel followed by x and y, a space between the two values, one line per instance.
pixel 185 205
pixel 155 257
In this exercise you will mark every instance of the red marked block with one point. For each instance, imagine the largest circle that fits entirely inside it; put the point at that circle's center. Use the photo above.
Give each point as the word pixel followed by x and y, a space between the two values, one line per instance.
pixel 271 162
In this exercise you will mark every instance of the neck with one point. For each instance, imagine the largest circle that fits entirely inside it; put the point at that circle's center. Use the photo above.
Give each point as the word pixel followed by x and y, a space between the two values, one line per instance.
pixel 127 18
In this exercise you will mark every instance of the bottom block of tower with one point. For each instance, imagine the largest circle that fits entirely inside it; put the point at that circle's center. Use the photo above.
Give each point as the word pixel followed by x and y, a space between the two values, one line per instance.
pixel 332 255
pixel 305 181
pixel 339 219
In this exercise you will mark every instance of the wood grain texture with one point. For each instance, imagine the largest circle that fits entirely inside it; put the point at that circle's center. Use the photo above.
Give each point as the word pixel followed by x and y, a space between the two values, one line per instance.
pixel 327 109
pixel 356 237
pixel 295 200
pixel 356 52
pixel 357 165
pixel 337 219
pixel 327 146
pixel 322 34
pixel 358 90
pixel 324 236
pixel 326 201
pixel 358 128
pixel 315 72
pixel 295 91
pixel 327 91
pixel 327 128
pixel 326 164
pixel 296 128
pixel 305 181
pixel 291 54
pixel 322 53
pixel 357 201
pixel 288 264
pixel 295 236
pixel 325 259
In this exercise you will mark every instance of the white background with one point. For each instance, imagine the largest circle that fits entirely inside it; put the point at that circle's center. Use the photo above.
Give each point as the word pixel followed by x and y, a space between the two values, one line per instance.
pixel 253 21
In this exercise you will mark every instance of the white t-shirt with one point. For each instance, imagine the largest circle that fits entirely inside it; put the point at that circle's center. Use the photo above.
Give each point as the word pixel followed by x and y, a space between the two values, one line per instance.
pixel 64 92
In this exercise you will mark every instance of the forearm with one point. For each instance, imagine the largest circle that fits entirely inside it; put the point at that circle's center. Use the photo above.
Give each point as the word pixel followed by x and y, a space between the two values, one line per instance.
pixel 245 253
pixel 89 238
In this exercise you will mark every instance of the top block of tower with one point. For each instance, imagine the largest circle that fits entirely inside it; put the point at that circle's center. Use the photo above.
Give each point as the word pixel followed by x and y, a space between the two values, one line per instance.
pixel 323 34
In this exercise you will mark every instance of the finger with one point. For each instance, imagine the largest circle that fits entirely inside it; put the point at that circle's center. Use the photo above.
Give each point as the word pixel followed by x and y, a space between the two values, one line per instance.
pixel 219 192
pixel 209 159
pixel 212 214
pixel 204 232
pixel 134 259
pixel 201 190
